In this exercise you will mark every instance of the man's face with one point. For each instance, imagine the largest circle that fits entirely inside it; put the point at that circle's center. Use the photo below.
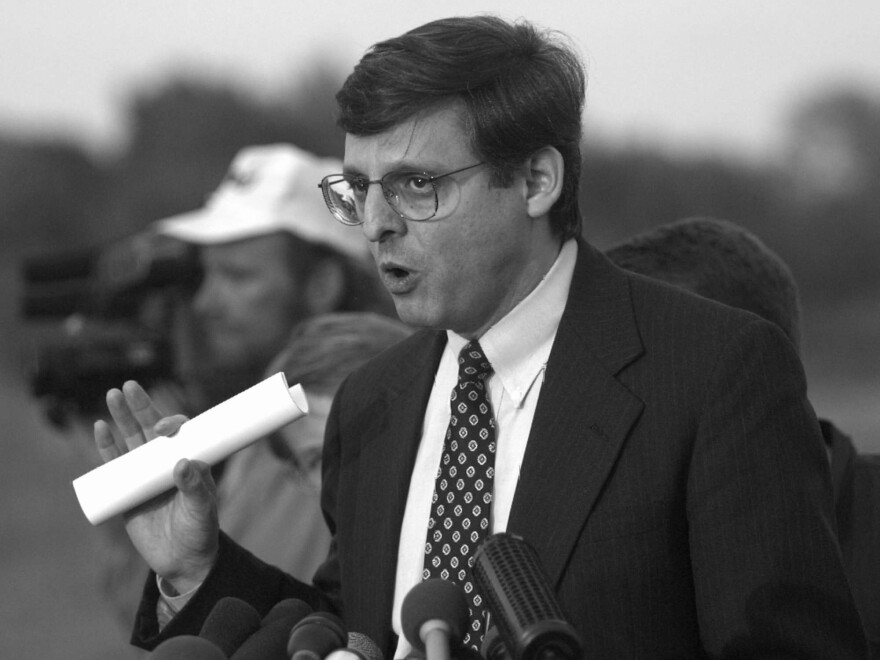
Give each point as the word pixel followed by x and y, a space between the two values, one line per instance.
pixel 462 271
pixel 248 301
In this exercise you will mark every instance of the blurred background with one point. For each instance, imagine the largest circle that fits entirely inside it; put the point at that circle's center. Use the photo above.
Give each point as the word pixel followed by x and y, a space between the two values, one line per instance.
pixel 115 114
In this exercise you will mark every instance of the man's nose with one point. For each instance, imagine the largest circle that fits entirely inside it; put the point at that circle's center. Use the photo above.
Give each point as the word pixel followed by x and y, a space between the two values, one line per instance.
pixel 380 220
pixel 204 299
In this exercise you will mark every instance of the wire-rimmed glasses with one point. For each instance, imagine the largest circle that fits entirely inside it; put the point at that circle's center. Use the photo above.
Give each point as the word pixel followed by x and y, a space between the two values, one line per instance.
pixel 415 196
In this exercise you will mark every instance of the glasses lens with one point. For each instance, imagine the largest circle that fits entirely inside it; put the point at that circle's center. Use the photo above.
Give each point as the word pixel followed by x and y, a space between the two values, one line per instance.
pixel 413 195
pixel 339 194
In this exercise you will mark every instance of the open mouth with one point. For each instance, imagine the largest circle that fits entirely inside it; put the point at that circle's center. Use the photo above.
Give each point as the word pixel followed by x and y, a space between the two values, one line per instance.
pixel 398 280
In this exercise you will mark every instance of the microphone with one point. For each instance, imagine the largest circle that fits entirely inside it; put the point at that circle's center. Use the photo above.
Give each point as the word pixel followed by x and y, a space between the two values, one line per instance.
pixel 270 641
pixel 316 636
pixel 187 647
pixel 461 653
pixel 493 647
pixel 360 647
pixel 434 617
pixel 521 603
pixel 229 623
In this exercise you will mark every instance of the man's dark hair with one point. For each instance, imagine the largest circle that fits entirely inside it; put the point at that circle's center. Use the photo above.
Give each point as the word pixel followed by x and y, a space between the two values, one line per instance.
pixel 720 260
pixel 522 88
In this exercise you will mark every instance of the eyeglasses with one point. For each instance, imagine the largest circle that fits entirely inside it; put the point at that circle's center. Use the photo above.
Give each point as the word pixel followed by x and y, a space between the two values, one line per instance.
pixel 415 196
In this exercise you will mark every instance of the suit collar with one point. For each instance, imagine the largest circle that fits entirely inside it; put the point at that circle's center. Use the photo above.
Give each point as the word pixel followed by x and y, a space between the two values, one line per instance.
pixel 584 413
pixel 599 311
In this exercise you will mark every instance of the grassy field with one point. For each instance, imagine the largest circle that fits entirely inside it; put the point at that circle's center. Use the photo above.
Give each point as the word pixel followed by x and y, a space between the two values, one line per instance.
pixel 51 557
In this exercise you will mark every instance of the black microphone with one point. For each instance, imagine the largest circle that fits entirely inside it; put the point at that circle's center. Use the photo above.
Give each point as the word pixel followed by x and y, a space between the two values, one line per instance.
pixel 270 641
pixel 229 623
pixel 187 647
pixel 522 605
pixel 316 636
pixel 434 617
pixel 461 653
pixel 360 647
pixel 493 647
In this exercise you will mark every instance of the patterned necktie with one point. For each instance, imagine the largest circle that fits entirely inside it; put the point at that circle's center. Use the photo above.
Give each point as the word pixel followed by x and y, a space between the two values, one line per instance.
pixel 463 491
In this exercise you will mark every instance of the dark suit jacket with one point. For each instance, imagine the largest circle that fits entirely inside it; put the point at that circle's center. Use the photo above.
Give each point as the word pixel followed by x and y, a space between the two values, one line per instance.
pixel 674 486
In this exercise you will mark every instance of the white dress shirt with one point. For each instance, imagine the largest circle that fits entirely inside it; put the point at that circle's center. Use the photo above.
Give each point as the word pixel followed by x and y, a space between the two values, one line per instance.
pixel 518 347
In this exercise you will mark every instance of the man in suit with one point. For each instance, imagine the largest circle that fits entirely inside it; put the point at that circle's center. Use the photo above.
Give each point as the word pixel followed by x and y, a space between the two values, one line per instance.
pixel 656 449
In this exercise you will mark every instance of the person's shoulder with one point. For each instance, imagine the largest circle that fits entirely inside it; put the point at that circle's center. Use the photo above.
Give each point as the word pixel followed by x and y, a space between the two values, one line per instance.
pixel 672 319
pixel 652 296
pixel 869 464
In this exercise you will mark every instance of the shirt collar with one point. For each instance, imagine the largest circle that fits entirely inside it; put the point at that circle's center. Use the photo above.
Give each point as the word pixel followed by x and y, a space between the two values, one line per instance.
pixel 518 346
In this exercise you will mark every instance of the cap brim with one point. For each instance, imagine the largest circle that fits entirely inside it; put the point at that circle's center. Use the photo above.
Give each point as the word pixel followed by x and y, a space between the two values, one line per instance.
pixel 206 227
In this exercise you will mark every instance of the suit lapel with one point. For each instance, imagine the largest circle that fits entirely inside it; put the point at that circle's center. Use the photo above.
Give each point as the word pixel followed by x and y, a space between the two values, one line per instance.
pixel 583 415
pixel 389 445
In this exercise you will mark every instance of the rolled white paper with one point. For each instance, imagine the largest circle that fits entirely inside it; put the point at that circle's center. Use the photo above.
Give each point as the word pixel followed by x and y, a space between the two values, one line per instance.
pixel 135 477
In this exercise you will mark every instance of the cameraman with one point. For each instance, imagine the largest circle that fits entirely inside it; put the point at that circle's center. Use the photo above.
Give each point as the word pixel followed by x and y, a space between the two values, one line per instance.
pixel 269 259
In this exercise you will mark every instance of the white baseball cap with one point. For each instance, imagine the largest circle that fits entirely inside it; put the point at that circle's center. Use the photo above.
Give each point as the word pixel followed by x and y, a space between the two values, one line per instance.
pixel 269 188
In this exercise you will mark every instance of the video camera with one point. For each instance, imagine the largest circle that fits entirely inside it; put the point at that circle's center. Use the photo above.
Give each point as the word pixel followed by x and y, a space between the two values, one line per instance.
pixel 109 319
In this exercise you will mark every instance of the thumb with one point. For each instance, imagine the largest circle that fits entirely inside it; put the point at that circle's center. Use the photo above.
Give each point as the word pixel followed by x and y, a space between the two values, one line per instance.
pixel 193 479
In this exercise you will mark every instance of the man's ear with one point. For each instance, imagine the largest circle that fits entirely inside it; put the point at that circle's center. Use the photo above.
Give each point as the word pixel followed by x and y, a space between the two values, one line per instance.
pixel 325 287
pixel 545 169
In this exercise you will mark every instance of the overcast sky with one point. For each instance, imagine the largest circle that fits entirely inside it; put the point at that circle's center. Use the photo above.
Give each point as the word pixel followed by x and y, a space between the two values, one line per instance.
pixel 692 74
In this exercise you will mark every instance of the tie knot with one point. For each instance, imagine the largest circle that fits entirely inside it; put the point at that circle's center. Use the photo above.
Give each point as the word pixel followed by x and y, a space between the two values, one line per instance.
pixel 472 362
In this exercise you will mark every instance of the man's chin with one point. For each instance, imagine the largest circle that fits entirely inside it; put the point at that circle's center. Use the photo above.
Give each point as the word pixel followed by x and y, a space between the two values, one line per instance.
pixel 415 316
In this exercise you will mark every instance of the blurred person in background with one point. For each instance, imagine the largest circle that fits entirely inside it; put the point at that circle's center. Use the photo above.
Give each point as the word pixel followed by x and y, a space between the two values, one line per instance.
pixel 722 261
pixel 269 259
pixel 269 499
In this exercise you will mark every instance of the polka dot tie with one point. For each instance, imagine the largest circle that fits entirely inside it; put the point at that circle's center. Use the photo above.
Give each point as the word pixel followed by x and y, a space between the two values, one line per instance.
pixel 463 492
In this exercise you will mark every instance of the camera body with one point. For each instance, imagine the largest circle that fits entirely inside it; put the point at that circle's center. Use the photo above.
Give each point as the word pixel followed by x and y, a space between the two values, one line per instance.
pixel 101 316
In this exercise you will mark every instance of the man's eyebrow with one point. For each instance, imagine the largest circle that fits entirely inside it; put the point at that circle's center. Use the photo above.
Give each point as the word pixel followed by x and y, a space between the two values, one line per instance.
pixel 400 166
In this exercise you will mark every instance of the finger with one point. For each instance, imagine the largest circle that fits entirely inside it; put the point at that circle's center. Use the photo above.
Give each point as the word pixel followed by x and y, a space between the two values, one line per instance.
pixel 142 407
pixel 105 442
pixel 193 479
pixel 168 426
pixel 131 431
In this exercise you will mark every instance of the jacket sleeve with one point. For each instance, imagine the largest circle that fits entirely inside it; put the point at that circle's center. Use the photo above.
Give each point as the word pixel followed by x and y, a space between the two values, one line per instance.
pixel 767 567
pixel 237 573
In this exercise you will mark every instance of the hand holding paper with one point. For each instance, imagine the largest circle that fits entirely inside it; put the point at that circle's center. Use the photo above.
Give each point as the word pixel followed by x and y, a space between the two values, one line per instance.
pixel 177 534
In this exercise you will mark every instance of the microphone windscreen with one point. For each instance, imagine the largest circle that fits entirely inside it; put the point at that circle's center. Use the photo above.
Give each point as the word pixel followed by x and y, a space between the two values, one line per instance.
pixel 316 636
pixel 270 641
pixel 187 647
pixel 230 623
pixel 519 599
pixel 345 654
pixel 365 646
pixel 434 599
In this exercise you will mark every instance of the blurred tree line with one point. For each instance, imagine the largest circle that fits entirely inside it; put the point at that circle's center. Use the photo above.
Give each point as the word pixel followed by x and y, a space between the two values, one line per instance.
pixel 818 205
